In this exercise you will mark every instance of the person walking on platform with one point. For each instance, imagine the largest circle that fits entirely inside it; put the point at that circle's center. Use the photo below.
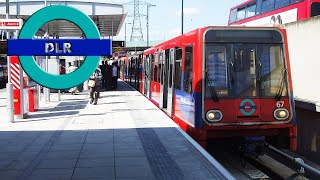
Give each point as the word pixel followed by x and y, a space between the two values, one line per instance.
pixel 114 77
pixel 103 68
pixel 95 82
pixel 72 68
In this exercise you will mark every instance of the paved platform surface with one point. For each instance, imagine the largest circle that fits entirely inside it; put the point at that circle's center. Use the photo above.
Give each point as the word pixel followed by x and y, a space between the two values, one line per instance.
pixel 123 137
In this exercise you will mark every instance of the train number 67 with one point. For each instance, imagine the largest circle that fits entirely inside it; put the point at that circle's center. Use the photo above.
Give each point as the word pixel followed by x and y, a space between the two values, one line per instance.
pixel 280 104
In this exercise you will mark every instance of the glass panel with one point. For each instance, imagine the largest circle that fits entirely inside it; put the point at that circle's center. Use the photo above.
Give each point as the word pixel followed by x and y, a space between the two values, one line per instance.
pixel 188 69
pixel 245 71
pixel 155 73
pixel 281 3
pixel 251 10
pixel 160 69
pixel 272 70
pixel 241 14
pixel 315 9
pixel 178 69
pixel 170 75
pixel 217 59
pixel 295 1
pixel 267 5
pixel 233 16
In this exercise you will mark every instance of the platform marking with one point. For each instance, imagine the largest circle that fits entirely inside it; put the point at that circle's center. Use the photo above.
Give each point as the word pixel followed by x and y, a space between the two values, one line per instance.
pixel 161 163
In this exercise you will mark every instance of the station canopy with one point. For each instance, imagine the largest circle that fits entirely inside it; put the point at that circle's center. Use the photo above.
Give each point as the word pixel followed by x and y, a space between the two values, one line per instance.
pixel 107 15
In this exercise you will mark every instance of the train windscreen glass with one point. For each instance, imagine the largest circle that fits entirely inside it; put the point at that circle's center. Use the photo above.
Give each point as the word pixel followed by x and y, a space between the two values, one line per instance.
pixel 248 65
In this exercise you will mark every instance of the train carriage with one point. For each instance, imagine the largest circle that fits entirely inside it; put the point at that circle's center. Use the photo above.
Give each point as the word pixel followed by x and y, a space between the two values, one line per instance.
pixel 220 82
pixel 130 68
pixel 273 12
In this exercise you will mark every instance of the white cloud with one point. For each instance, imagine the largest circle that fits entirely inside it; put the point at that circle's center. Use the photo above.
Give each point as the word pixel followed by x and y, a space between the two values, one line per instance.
pixel 188 12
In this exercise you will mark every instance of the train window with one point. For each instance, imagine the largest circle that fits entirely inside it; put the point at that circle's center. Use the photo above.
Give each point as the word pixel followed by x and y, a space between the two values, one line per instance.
pixel 251 10
pixel 315 9
pixel 233 16
pixel 217 60
pixel 160 67
pixel 155 72
pixel 241 14
pixel 295 1
pixel 245 69
pixel 267 5
pixel 187 79
pixel 281 3
pixel 272 70
pixel 170 76
pixel 166 69
pixel 178 69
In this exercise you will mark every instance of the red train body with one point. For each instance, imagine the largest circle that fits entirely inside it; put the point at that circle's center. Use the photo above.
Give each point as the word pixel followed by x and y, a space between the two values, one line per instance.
pixel 221 82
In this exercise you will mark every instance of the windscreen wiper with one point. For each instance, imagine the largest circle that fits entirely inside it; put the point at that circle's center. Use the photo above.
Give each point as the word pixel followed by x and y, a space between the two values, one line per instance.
pixel 212 90
pixel 282 85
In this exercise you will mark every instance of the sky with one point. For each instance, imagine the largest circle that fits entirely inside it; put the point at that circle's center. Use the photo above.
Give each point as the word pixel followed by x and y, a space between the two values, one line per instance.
pixel 165 17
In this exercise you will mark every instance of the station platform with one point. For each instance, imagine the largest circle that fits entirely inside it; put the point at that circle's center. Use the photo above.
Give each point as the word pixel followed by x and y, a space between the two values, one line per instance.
pixel 123 137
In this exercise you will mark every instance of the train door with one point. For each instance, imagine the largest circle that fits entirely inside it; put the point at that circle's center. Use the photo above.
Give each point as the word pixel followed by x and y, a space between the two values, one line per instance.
pixel 164 59
pixel 147 76
pixel 170 81
pixel 246 86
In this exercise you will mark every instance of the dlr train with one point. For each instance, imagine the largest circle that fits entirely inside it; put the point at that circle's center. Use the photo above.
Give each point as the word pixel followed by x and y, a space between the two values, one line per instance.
pixel 221 82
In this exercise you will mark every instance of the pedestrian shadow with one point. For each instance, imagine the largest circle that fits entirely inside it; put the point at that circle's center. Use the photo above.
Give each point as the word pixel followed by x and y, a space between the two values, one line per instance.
pixel 96 114
pixel 60 110
pixel 112 103
pixel 55 114
pixel 150 109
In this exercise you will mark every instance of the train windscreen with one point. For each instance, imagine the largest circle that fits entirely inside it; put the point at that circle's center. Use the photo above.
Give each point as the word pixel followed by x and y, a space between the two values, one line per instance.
pixel 248 65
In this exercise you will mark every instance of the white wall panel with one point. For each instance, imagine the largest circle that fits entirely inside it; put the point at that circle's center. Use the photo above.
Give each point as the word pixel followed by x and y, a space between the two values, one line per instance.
pixel 304 38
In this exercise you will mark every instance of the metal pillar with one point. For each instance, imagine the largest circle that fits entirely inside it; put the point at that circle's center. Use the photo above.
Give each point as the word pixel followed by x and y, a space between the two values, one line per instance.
pixel 58 58
pixel 9 84
pixel 46 91
pixel 148 6
pixel 182 18
pixel 148 25
pixel 125 34
pixel 112 30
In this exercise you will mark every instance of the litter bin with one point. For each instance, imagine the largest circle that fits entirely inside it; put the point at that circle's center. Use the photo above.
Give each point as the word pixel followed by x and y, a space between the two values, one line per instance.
pixel 33 99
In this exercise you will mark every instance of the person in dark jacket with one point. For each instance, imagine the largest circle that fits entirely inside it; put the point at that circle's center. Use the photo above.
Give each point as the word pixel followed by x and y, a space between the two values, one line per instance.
pixel 95 90
pixel 103 69
pixel 109 76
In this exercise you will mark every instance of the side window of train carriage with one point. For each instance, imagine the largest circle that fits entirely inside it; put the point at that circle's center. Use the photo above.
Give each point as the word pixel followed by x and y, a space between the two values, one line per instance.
pixel 216 73
pixel 178 69
pixel 155 69
pixel 187 79
pixel 159 67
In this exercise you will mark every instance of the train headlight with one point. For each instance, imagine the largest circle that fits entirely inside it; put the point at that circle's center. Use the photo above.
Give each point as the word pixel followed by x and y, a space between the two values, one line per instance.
pixel 281 114
pixel 214 115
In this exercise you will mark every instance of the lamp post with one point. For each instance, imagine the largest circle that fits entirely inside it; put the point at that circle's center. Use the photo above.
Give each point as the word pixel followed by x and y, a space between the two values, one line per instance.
pixel 148 6
pixel 125 34
pixel 182 17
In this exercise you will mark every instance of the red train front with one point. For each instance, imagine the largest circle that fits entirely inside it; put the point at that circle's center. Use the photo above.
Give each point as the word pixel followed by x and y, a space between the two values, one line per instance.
pixel 220 82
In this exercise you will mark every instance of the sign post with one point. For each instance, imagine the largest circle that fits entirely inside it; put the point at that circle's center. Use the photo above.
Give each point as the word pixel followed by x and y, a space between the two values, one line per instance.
pixel 25 47
pixel 10 24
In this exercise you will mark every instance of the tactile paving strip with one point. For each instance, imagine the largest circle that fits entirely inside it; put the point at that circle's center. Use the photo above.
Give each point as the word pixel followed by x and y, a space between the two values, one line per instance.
pixel 162 164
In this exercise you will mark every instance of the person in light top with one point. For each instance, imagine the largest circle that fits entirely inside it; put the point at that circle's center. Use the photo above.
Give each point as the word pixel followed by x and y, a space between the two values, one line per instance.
pixel 72 68
pixel 114 76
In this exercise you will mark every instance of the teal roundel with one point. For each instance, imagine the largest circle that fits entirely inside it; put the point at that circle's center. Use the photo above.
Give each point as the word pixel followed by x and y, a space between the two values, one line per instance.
pixel 36 21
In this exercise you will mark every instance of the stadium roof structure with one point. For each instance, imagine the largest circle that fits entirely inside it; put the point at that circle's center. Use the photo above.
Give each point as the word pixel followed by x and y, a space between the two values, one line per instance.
pixel 107 15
